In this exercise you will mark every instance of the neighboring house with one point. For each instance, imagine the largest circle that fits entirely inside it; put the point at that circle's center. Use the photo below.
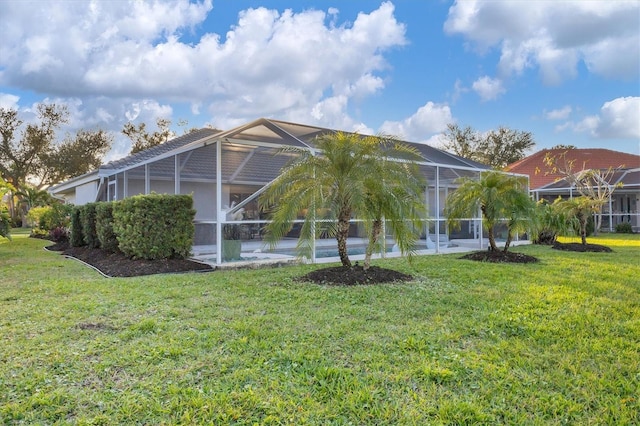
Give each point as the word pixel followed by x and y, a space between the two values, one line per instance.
pixel 623 205
pixel 226 171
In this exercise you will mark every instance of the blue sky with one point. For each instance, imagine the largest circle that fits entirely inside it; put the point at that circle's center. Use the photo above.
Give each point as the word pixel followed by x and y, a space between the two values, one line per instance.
pixel 567 71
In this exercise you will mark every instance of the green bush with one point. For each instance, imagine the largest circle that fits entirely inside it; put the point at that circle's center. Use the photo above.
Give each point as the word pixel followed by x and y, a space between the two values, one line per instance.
pixel 5 224
pixel 88 220
pixel 155 226
pixel 34 215
pixel 104 227
pixel 77 237
pixel 624 228
pixel 57 215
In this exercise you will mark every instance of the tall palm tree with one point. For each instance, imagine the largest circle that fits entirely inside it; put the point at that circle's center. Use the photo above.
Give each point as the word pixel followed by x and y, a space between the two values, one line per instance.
pixel 336 183
pixel 497 195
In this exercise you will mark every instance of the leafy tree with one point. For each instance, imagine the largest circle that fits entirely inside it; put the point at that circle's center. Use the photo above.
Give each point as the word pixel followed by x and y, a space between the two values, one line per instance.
pixel 34 157
pixel 498 196
pixel 497 148
pixel 339 182
pixel 142 139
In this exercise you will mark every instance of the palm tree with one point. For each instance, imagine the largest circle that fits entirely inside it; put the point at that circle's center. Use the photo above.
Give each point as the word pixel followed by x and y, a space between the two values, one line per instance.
pixel 347 176
pixel 395 197
pixel 581 208
pixel 498 196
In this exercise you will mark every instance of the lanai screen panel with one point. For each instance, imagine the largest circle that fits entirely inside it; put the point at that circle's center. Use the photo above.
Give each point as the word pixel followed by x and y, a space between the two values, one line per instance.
pixel 162 176
pixel 197 173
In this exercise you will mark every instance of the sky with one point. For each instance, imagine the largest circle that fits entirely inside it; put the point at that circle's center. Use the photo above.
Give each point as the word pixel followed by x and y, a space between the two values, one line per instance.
pixel 566 71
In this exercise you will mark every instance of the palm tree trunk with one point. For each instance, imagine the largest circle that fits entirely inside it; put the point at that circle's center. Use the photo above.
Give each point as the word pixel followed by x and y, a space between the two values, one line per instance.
pixel 341 236
pixel 583 228
pixel 492 239
pixel 508 242
pixel 373 239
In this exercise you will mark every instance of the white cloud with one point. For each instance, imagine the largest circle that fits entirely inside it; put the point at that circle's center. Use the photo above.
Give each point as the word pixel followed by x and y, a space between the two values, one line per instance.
pixel 9 101
pixel 618 119
pixel 429 119
pixel 553 35
pixel 488 88
pixel 558 114
pixel 269 63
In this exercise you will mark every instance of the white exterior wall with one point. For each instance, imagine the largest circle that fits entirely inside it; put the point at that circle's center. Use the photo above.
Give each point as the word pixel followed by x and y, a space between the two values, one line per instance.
pixel 85 193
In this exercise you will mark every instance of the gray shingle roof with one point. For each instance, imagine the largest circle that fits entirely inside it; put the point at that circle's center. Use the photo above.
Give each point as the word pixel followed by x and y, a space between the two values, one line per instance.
pixel 150 153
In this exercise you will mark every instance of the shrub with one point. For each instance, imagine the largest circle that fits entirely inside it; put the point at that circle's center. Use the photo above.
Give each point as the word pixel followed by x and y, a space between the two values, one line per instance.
pixel 88 221
pixel 57 216
pixel 5 225
pixel 34 215
pixel 624 228
pixel 59 234
pixel 155 226
pixel 77 238
pixel 104 227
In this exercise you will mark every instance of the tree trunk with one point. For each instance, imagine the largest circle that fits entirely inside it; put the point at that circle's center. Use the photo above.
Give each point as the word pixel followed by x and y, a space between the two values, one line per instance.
pixel 373 239
pixel 341 236
pixel 507 243
pixel 492 239
pixel 583 228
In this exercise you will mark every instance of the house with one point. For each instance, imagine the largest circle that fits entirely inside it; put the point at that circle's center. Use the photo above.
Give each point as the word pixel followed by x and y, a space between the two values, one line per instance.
pixel 624 203
pixel 226 171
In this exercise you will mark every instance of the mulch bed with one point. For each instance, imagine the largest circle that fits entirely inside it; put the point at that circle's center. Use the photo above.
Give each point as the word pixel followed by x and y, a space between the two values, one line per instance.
pixel 499 257
pixel 119 265
pixel 583 248
pixel 355 275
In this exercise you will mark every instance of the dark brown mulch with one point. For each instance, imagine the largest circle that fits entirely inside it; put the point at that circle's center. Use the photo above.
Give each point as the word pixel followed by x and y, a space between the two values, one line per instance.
pixel 119 265
pixel 583 248
pixel 356 275
pixel 499 257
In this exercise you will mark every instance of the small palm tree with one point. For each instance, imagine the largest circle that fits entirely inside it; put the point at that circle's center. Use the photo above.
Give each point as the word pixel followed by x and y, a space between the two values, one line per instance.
pixel 581 208
pixel 498 196
pixel 348 176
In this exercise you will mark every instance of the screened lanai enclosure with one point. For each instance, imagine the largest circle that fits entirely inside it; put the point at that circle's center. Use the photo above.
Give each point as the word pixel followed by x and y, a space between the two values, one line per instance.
pixel 226 171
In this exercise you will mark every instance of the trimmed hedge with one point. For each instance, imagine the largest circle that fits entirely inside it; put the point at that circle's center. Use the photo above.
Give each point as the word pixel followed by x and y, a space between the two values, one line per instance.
pixel 104 227
pixel 155 226
pixel 624 228
pixel 77 237
pixel 88 219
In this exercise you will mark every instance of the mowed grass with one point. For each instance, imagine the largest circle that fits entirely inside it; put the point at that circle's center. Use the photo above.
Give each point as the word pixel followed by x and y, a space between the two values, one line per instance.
pixel 557 342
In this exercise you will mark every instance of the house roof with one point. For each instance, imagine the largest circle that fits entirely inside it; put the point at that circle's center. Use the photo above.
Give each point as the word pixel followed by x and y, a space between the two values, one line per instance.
pixel 598 158
pixel 269 133
pixel 628 178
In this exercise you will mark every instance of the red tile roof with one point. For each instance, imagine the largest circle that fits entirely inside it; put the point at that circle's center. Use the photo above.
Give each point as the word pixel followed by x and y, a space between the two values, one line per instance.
pixel 598 158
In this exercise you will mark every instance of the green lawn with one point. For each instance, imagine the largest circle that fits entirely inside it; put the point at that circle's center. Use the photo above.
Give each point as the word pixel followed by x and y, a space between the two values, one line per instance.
pixel 557 342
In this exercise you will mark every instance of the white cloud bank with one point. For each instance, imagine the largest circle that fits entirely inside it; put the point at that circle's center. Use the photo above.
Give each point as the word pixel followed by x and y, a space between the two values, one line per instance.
pixel 553 36
pixel 429 119
pixel 290 65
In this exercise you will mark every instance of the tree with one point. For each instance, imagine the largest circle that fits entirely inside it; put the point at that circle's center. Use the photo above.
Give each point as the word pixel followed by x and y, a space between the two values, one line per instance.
pixel 394 193
pixel 591 183
pixel 581 208
pixel 142 139
pixel 497 148
pixel 551 221
pixel 76 156
pixel 34 157
pixel 498 196
pixel 339 182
